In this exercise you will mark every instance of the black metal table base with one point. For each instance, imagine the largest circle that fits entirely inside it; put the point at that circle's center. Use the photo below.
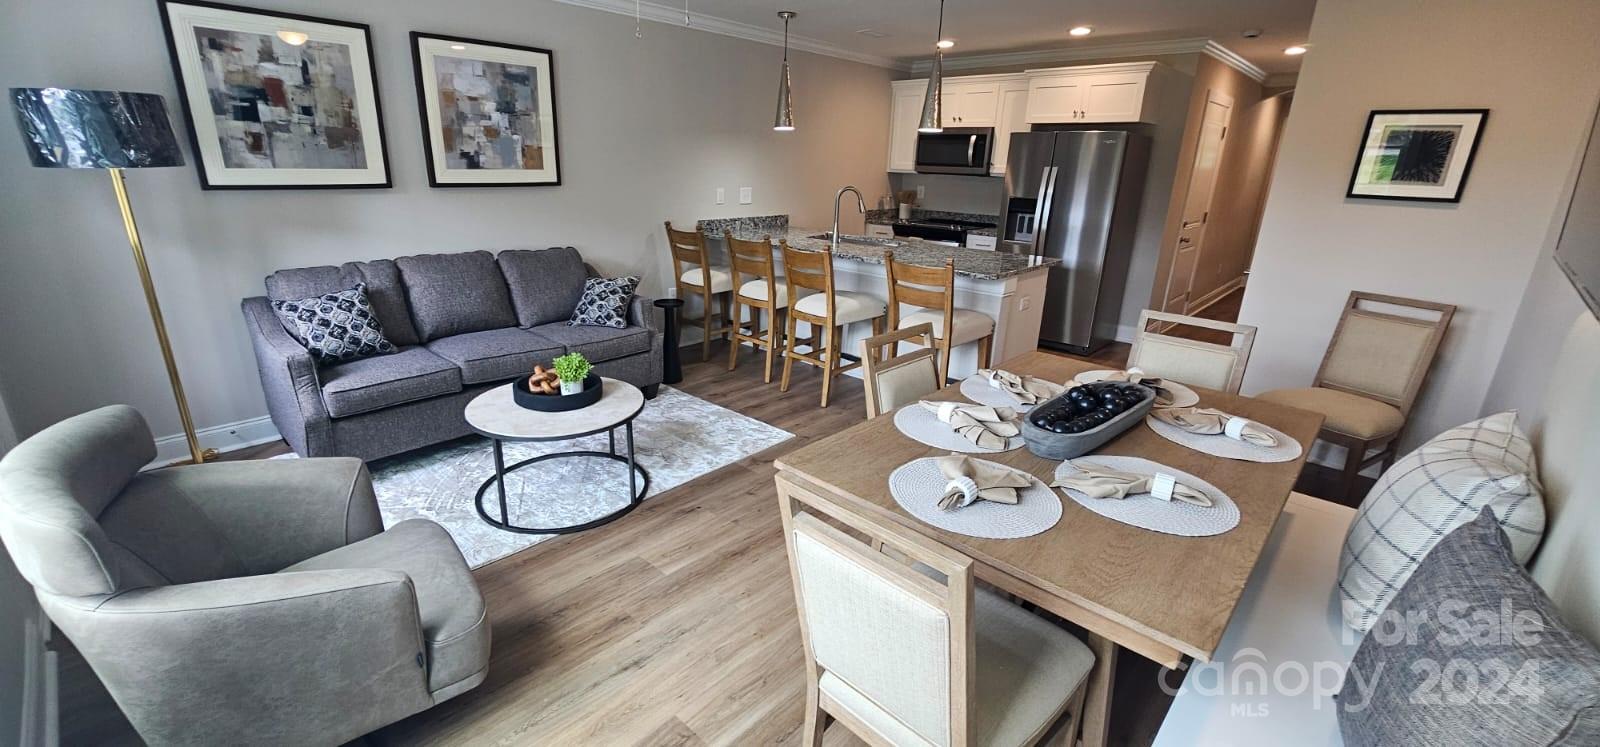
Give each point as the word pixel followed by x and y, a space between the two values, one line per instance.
pixel 638 486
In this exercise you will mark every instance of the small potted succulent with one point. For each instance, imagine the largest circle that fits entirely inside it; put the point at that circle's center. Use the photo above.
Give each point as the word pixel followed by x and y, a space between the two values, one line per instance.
pixel 572 369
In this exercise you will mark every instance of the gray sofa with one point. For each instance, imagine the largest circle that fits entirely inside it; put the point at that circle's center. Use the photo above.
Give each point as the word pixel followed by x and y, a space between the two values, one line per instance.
pixel 464 323
pixel 255 602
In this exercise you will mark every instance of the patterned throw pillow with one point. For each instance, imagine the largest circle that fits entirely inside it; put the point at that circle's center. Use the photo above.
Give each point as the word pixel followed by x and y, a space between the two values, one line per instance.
pixel 335 326
pixel 1425 496
pixel 1472 651
pixel 604 303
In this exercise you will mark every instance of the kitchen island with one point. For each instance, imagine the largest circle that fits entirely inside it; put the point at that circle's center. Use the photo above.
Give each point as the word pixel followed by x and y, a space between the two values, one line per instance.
pixel 1007 287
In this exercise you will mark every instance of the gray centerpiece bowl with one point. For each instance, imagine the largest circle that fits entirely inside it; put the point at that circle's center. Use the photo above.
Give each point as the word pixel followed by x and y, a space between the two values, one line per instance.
pixel 1064 446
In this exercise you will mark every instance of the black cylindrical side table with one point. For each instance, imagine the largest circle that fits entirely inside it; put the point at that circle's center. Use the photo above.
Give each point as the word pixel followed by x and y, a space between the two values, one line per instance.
pixel 671 367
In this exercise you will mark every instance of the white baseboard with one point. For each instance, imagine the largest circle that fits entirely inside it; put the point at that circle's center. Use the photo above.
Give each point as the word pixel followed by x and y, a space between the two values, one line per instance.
pixel 40 700
pixel 1216 295
pixel 224 438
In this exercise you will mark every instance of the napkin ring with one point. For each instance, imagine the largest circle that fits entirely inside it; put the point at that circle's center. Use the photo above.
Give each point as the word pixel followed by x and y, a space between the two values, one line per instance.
pixel 966 486
pixel 1162 486
pixel 1235 428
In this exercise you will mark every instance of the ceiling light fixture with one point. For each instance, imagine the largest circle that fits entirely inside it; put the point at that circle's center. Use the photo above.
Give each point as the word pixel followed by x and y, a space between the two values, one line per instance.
pixel 784 121
pixel 932 112
pixel 945 43
pixel 1294 50
pixel 1080 30
pixel 293 38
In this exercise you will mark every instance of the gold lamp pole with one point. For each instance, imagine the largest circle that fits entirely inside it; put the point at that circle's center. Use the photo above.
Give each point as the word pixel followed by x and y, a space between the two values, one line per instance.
pixel 111 130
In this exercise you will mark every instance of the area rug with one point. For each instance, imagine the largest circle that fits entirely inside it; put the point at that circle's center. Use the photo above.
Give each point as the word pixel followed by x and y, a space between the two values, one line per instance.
pixel 677 438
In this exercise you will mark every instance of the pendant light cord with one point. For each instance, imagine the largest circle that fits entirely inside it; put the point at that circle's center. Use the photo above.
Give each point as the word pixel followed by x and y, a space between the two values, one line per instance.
pixel 786 38
pixel 940 36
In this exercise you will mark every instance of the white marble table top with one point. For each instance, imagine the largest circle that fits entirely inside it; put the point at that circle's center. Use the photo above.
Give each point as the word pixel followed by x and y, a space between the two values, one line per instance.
pixel 495 414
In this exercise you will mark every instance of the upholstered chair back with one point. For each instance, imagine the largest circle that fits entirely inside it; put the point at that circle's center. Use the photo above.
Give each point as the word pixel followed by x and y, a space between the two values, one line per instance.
pixel 1381 355
pixel 896 380
pixel 1212 365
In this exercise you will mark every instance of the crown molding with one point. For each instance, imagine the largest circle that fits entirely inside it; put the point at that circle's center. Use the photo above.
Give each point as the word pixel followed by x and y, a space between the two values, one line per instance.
pixel 658 13
pixel 1197 45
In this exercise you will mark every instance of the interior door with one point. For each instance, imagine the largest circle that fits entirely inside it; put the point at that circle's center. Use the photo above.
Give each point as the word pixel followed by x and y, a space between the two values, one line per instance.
pixel 1190 249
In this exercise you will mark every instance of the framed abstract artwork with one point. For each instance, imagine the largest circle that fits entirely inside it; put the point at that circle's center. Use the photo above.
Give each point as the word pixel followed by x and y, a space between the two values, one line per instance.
pixel 274 100
pixel 1422 155
pixel 488 112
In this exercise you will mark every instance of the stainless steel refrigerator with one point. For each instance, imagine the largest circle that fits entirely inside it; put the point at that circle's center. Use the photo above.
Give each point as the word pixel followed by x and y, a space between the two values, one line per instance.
pixel 1073 196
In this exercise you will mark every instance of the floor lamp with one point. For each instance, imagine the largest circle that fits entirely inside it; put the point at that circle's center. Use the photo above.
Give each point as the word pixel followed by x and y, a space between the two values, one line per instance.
pixel 112 130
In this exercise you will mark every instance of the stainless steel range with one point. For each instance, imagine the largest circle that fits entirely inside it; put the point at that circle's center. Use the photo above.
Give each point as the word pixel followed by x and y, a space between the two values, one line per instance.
pixel 940 230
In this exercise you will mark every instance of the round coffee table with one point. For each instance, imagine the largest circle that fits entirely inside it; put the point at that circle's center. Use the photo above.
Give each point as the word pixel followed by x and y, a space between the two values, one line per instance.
pixel 496 415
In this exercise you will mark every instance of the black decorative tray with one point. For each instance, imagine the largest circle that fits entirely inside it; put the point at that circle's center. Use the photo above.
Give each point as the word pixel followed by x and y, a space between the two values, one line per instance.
pixel 1063 446
pixel 557 402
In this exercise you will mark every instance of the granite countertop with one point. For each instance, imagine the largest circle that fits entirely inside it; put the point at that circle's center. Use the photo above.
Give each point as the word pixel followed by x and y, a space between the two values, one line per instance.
pixel 974 263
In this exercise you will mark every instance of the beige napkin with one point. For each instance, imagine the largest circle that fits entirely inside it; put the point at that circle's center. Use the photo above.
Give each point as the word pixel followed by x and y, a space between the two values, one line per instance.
pixel 1097 481
pixel 971 479
pixel 988 427
pixel 1029 390
pixel 1164 396
pixel 1206 421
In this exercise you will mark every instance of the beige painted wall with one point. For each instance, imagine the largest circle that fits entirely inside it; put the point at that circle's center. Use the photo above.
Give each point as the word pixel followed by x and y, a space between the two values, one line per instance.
pixel 1242 177
pixel 649 128
pixel 1539 79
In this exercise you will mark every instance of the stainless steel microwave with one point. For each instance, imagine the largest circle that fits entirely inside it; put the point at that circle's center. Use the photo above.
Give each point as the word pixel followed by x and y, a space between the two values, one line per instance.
pixel 956 150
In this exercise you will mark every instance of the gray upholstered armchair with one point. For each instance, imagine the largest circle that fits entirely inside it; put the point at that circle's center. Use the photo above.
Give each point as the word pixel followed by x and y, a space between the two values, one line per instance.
pixel 240 603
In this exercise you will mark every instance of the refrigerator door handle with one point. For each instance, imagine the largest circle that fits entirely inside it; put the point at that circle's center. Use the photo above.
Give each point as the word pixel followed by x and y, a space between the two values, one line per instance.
pixel 1041 213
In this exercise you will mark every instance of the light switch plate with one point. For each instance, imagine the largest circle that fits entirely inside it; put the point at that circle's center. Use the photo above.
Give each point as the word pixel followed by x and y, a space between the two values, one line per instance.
pixel 922 191
pixel 746 195
pixel 722 196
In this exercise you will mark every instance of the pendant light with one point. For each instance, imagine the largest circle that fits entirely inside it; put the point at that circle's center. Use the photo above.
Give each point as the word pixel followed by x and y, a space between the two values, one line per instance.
pixel 932 111
pixel 784 121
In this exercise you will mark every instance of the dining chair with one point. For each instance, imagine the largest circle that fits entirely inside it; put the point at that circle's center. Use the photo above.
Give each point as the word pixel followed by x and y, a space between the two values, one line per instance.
pixel 899 379
pixel 934 290
pixel 1370 376
pixel 826 309
pixel 897 655
pixel 700 280
pixel 762 293
pixel 1198 363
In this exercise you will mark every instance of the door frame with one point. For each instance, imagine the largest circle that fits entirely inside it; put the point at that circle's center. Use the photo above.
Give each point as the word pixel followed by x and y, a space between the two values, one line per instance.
pixel 1169 249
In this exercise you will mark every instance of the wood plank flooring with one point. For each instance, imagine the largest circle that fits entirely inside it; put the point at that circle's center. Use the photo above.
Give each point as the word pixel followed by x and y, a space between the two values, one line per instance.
pixel 673 626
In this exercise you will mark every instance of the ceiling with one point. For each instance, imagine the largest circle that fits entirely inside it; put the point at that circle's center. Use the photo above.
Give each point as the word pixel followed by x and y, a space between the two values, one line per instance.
pixel 987 26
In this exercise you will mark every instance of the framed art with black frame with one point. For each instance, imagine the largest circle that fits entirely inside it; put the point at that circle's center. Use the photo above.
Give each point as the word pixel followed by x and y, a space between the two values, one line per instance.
pixel 488 112
pixel 1421 155
pixel 276 100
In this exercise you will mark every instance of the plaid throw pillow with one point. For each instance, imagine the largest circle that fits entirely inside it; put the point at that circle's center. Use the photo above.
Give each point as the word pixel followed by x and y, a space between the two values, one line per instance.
pixel 1429 493
pixel 604 303
pixel 335 326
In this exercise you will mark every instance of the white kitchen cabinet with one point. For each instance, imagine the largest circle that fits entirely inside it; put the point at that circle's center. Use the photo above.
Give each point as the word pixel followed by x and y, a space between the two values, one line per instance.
pixel 1013 118
pixel 970 102
pixel 1091 93
pixel 880 230
pixel 905 110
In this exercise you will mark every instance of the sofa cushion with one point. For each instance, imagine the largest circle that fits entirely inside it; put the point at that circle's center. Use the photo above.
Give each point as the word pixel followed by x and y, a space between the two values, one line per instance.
pixel 304 282
pixel 454 293
pixel 367 384
pixel 454 624
pixel 1472 651
pixel 605 302
pixel 495 354
pixel 387 294
pixel 545 284
pixel 596 343
pixel 333 327
pixel 1429 492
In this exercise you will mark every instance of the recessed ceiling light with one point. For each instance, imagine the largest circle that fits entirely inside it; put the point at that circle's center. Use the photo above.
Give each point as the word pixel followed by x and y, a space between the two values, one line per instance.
pixel 1080 31
pixel 1294 50
pixel 458 47
pixel 945 43
pixel 293 38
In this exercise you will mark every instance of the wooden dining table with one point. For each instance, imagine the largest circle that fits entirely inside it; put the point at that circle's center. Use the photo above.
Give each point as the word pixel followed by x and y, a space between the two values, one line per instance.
pixel 1160 596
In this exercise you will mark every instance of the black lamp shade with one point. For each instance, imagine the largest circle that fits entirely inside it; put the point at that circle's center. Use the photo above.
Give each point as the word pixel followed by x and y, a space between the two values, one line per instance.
pixel 76 129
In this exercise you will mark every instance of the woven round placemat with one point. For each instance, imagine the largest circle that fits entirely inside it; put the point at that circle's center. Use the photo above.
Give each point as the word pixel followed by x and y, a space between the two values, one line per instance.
pixel 919 424
pixel 918 485
pixel 979 390
pixel 1149 512
pixel 1219 445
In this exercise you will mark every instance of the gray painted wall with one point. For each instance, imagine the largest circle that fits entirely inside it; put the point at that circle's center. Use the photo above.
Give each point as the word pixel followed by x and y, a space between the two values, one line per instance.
pixel 17 606
pixel 649 128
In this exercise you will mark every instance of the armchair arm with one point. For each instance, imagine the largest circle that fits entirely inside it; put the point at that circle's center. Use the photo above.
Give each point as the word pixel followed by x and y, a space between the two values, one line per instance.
pixel 642 312
pixel 289 381
pixel 317 657
pixel 277 512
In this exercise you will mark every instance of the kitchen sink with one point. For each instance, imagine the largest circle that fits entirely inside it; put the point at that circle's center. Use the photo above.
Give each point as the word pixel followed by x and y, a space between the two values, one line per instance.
pixel 849 239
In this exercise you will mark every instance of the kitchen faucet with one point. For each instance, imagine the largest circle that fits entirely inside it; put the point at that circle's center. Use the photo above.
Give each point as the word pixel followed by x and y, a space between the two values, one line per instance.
pixel 860 205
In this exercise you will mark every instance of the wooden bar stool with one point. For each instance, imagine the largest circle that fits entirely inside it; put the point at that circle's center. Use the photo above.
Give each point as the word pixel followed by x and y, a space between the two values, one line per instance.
pixel 763 292
pixel 701 280
pixel 826 310
pixel 934 289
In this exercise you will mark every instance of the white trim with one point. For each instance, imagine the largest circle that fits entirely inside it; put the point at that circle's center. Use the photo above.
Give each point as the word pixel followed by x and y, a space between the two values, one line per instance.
pixel 1197 45
pixel 1282 80
pixel 224 438
pixel 1126 333
pixel 658 13
pixel 1220 293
